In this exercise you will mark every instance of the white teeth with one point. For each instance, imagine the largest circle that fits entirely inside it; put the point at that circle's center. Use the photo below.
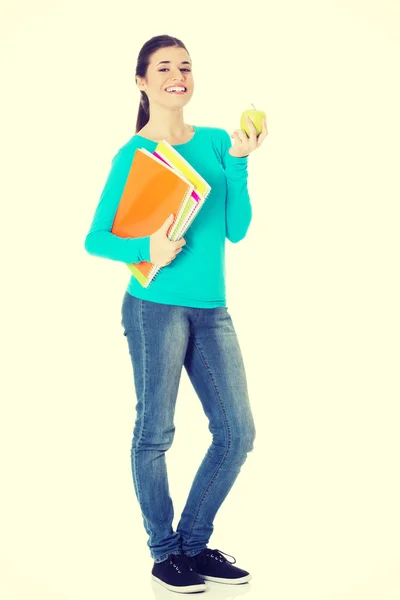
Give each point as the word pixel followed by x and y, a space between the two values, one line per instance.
pixel 175 89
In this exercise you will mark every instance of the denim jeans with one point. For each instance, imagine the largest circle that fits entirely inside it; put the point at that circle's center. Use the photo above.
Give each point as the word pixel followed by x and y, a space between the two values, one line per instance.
pixel 162 338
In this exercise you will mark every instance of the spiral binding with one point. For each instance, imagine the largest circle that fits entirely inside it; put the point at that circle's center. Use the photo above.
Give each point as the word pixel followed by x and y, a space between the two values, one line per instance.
pixel 153 277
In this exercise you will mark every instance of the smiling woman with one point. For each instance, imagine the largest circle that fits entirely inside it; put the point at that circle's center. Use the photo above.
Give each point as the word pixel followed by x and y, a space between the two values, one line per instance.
pixel 182 320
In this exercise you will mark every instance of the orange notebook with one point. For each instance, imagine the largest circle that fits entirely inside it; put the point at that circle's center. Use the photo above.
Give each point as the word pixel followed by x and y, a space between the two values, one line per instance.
pixel 153 191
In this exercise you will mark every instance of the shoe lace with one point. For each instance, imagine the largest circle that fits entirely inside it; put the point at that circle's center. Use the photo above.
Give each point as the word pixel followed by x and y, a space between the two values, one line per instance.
pixel 181 562
pixel 218 554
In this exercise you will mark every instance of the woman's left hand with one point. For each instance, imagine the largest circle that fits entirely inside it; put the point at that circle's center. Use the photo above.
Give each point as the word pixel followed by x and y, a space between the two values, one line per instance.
pixel 242 144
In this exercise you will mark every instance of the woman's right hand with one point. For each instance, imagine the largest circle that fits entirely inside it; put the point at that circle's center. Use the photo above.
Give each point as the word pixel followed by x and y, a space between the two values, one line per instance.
pixel 162 249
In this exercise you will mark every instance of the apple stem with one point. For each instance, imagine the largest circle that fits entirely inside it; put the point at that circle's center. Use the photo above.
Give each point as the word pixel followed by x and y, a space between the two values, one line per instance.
pixel 253 106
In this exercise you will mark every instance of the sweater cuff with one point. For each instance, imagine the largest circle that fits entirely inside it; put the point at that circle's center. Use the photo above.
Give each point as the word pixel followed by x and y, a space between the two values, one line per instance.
pixel 236 166
pixel 140 248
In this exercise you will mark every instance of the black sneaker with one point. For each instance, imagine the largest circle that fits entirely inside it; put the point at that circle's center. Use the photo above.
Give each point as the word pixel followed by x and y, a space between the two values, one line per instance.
pixel 212 566
pixel 177 574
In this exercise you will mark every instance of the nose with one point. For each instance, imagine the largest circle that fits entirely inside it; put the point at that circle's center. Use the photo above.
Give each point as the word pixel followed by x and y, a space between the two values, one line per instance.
pixel 180 76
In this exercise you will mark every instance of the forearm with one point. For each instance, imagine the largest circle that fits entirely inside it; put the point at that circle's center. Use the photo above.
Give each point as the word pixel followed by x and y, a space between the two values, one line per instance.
pixel 238 204
pixel 107 245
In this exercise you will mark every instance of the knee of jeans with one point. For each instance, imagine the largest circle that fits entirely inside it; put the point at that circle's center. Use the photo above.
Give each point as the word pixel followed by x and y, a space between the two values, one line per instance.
pixel 245 441
pixel 154 440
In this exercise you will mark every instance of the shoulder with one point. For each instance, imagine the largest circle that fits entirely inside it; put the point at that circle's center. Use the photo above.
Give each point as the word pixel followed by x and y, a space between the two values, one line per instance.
pixel 219 138
pixel 220 141
pixel 125 153
pixel 216 133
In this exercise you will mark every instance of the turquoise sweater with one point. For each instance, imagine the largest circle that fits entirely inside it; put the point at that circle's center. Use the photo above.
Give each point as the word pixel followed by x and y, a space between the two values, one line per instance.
pixel 196 277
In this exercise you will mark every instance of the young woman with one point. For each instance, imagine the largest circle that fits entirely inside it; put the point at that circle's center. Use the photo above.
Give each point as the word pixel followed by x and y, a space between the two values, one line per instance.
pixel 182 319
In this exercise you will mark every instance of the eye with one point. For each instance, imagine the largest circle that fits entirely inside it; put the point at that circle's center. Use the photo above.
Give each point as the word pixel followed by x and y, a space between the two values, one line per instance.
pixel 181 69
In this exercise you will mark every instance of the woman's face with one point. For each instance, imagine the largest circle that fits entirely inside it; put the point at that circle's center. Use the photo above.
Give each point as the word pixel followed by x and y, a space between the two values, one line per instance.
pixel 160 75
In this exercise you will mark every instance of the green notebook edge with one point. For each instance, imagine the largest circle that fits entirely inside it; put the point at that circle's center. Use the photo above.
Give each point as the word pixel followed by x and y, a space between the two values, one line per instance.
pixel 138 274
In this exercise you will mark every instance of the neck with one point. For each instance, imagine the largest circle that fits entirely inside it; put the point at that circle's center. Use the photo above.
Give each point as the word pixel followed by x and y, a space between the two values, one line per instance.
pixel 167 123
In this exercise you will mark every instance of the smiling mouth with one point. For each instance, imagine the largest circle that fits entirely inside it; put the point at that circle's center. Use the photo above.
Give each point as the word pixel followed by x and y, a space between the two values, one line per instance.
pixel 179 92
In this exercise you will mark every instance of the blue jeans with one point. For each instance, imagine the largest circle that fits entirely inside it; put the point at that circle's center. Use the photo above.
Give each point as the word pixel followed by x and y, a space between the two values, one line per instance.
pixel 162 338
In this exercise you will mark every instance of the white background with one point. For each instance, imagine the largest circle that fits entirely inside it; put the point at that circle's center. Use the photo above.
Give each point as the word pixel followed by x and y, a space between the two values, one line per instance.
pixel 313 291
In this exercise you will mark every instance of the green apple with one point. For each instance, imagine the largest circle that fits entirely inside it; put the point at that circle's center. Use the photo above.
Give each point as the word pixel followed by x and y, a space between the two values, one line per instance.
pixel 256 116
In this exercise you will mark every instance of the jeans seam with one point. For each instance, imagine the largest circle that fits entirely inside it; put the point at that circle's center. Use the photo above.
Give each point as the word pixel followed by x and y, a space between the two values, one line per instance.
pixel 141 328
pixel 219 466
pixel 198 316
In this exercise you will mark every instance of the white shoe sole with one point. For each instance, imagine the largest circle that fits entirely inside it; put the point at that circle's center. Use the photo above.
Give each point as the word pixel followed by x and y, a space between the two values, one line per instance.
pixel 184 589
pixel 226 580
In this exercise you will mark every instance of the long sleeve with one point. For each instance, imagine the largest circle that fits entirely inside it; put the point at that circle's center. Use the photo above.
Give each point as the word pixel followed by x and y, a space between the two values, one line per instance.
pixel 238 204
pixel 99 240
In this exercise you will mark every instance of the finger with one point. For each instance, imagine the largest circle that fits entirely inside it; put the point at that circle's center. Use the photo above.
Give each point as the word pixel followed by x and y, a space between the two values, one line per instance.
pixel 264 127
pixel 253 138
pixel 264 132
pixel 242 135
pixel 252 127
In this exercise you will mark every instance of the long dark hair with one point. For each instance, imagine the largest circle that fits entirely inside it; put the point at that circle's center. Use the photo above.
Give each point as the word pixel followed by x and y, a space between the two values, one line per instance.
pixel 143 61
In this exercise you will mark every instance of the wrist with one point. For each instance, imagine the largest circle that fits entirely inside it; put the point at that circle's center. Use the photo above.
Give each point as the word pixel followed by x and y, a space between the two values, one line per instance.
pixel 237 155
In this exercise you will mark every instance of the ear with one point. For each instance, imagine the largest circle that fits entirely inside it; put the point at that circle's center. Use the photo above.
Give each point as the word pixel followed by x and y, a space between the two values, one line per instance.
pixel 139 83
